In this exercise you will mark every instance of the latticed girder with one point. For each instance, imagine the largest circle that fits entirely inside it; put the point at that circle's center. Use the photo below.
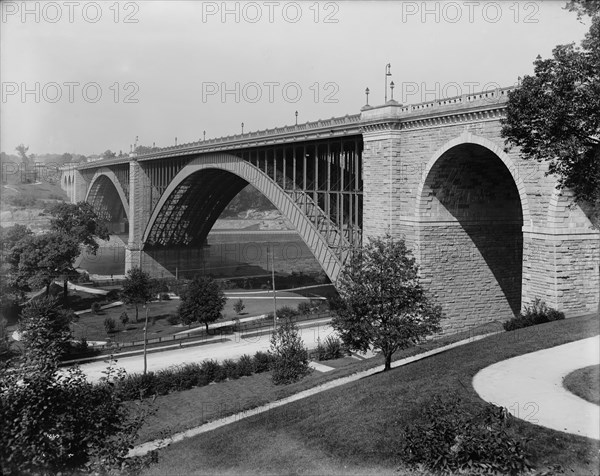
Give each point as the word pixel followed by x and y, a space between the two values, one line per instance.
pixel 105 200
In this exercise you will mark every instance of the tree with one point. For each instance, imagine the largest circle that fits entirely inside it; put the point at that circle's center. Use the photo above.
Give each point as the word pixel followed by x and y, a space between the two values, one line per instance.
pixel 80 221
pixel 108 154
pixel 44 328
pixel 202 301
pixel 22 151
pixel 40 259
pixel 137 289
pixel 289 356
pixel 12 286
pixel 381 304
pixel 555 115
pixel 11 235
pixel 239 306
pixel 53 420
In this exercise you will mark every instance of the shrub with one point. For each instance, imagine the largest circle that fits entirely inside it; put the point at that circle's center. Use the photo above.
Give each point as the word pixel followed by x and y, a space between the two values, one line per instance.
pixel 333 348
pixel 304 308
pixel 289 355
pixel 536 313
pixel 231 369
pixel 165 381
pixel 124 318
pixel 83 277
pixel 80 346
pixel 245 365
pixel 134 386
pixel 191 375
pixel 173 319
pixel 451 438
pixel 211 369
pixel 261 361
pixel 55 422
pixel 164 297
pixel 286 312
pixel 96 308
pixel 239 306
pixel 110 325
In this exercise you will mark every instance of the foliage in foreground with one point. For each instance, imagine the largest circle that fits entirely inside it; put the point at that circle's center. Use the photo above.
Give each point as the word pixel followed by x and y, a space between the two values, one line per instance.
pixel 289 355
pixel 53 420
pixel 536 313
pixel 382 304
pixel 451 438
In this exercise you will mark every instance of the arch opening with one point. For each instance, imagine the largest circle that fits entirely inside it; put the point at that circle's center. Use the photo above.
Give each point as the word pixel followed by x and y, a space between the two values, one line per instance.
pixel 471 240
pixel 182 241
pixel 105 199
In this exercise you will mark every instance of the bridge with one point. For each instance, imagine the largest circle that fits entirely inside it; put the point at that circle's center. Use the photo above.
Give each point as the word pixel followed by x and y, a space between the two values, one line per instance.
pixel 490 231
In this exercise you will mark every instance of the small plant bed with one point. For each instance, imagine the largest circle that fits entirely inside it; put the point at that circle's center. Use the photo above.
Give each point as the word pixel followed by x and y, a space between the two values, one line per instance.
pixel 358 428
pixel 536 313
pixel 585 383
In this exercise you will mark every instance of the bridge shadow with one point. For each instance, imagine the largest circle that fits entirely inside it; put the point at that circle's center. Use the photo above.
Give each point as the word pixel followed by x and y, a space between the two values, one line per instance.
pixel 472 198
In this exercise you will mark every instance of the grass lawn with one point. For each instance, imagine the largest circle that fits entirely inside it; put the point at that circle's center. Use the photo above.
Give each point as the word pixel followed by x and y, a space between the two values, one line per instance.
pixel 355 429
pixel 91 326
pixel 585 383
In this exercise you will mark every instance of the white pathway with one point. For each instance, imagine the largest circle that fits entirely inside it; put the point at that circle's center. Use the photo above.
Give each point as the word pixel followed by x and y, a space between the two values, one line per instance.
pixel 530 386
pixel 219 351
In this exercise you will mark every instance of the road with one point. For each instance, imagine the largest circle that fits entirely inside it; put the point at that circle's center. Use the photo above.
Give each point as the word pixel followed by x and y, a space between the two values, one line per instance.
pixel 229 349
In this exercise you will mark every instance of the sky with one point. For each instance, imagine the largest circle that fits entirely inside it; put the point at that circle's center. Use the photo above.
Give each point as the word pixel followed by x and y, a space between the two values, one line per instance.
pixel 83 77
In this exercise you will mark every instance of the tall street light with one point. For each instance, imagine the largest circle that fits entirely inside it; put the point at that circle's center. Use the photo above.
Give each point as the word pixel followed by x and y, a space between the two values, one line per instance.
pixel 387 73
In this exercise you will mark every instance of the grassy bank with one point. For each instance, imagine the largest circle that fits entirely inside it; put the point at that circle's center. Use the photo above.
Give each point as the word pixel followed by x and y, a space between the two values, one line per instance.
pixel 355 429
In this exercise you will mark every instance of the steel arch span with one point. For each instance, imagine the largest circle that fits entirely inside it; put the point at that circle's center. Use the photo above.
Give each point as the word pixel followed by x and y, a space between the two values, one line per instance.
pixel 107 197
pixel 198 194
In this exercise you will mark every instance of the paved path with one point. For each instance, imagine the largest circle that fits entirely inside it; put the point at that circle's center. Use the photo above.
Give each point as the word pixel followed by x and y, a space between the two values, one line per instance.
pixel 530 386
pixel 230 349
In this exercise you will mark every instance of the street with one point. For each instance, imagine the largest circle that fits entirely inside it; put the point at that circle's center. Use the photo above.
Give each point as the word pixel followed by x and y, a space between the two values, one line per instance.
pixel 233 348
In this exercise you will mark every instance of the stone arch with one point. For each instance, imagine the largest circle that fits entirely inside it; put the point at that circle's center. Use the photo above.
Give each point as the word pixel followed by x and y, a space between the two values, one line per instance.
pixel 230 174
pixel 471 206
pixel 469 138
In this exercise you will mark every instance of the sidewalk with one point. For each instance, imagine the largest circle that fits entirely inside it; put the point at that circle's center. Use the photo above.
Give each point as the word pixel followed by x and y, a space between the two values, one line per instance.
pixel 530 386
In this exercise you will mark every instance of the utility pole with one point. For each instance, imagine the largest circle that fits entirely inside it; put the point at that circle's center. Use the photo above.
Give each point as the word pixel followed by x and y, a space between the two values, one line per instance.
pixel 147 305
pixel 273 281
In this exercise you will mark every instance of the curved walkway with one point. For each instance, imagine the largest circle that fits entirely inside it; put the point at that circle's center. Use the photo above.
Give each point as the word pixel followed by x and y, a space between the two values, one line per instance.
pixel 531 387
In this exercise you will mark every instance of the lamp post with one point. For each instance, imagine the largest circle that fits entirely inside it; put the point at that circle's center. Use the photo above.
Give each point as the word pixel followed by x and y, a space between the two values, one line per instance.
pixel 147 306
pixel 387 73
pixel 296 113
pixel 392 90
pixel 203 135
pixel 367 94
pixel 273 285
pixel 242 127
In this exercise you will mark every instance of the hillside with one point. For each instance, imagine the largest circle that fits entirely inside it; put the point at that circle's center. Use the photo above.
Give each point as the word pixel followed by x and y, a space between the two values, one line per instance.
pixel 24 203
